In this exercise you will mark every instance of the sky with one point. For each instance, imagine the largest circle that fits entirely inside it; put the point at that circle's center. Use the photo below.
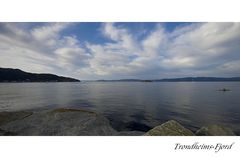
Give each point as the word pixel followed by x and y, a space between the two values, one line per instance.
pixel 90 51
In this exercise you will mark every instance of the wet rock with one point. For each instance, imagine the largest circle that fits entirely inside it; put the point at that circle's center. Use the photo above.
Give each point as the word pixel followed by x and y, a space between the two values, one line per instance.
pixel 60 122
pixel 2 132
pixel 170 128
pixel 130 133
pixel 136 126
pixel 6 117
pixel 6 133
pixel 215 130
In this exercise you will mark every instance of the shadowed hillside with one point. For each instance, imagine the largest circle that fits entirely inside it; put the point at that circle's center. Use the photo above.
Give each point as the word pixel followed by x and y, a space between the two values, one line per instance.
pixel 16 75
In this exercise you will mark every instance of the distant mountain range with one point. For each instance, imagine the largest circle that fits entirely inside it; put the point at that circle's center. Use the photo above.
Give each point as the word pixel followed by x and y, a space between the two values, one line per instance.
pixel 17 75
pixel 201 79
pixel 185 79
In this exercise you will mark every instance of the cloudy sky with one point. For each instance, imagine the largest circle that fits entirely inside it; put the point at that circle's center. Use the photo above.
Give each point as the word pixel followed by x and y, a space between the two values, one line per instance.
pixel 122 50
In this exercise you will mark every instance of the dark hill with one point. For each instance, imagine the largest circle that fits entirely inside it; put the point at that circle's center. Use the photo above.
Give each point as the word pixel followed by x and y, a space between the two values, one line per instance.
pixel 17 75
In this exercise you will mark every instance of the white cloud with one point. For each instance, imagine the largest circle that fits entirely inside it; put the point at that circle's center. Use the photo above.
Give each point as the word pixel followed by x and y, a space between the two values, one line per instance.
pixel 41 49
pixel 208 43
pixel 189 49
pixel 48 31
pixel 155 41
pixel 70 55
pixel 198 49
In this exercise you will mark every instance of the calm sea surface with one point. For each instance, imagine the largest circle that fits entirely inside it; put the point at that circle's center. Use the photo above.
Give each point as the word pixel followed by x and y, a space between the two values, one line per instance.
pixel 133 105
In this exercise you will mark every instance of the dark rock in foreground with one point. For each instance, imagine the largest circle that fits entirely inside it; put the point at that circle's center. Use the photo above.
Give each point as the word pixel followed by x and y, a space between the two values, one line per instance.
pixel 6 133
pixel 170 128
pixel 6 117
pixel 76 122
pixel 215 130
pixel 60 122
pixel 130 133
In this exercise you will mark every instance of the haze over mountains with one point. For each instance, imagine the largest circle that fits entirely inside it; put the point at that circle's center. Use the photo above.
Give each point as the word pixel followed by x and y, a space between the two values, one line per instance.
pixel 17 75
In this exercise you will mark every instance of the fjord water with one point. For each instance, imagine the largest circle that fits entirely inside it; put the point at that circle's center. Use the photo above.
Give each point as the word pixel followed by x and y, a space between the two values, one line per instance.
pixel 133 105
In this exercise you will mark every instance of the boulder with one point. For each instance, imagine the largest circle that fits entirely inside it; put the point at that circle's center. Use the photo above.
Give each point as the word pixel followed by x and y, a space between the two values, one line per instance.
pixel 6 117
pixel 215 130
pixel 60 122
pixel 170 128
pixel 6 133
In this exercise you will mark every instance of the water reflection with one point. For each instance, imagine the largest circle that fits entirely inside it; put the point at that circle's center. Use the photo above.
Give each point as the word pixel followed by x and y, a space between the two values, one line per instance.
pixel 133 105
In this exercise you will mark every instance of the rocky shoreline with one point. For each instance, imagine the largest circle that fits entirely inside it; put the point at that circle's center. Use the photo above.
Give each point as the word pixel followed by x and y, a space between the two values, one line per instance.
pixel 76 122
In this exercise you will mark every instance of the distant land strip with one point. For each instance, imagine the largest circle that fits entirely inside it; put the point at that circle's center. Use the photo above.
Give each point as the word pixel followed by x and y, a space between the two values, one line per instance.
pixel 185 79
pixel 17 75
